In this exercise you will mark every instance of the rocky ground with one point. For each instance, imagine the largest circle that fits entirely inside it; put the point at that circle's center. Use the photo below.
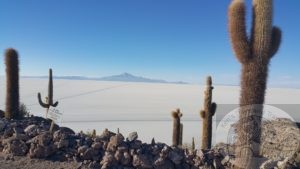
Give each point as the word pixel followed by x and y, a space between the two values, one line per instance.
pixel 28 144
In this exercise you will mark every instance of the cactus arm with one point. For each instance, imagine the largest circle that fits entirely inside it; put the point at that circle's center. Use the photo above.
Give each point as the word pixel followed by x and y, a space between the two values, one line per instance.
pixel 41 102
pixel 276 40
pixel 55 104
pixel 261 29
pixel 202 114
pixel 237 31
pixel 213 108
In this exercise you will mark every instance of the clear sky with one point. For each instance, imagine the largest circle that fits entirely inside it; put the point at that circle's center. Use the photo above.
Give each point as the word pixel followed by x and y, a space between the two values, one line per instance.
pixel 166 39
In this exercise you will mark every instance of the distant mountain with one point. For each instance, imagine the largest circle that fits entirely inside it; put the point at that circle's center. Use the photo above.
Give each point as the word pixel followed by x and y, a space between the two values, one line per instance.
pixel 125 77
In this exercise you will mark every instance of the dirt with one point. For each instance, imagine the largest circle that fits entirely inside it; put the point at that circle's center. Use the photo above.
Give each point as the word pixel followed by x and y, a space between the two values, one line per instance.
pixel 9 162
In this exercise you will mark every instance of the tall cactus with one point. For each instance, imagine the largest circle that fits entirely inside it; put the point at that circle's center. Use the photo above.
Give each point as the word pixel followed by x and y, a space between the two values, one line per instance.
pixel 49 99
pixel 207 114
pixel 254 53
pixel 176 126
pixel 12 84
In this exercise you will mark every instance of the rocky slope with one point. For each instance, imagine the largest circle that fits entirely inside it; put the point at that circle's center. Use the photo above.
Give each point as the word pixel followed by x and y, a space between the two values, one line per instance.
pixel 28 143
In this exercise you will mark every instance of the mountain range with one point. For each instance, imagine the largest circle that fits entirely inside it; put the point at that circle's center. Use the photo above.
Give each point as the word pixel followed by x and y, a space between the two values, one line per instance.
pixel 124 77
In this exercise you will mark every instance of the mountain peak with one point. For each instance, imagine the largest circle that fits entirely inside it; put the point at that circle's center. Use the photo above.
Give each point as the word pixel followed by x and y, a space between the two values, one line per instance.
pixel 126 74
pixel 127 77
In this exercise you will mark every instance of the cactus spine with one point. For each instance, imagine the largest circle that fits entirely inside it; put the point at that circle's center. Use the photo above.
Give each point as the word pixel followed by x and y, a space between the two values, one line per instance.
pixel 12 84
pixel 176 126
pixel 254 53
pixel 49 99
pixel 207 114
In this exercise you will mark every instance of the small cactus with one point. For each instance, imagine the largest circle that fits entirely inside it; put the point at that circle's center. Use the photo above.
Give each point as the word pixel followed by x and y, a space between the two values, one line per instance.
pixel 176 126
pixel 94 134
pixel 193 143
pixel 12 85
pixel 49 99
pixel 207 114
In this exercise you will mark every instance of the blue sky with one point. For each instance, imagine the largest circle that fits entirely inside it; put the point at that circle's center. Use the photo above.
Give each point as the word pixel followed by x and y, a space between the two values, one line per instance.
pixel 165 39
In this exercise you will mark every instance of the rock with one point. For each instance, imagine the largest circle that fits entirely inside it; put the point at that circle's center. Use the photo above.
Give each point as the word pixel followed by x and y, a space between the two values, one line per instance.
pixel 62 144
pixel 66 130
pixel 40 151
pixel 16 147
pixel 225 160
pixel 287 163
pixel 142 161
pixel 29 129
pixel 136 144
pixel 82 149
pixel 2 114
pixel 132 136
pixel 93 165
pixel 114 142
pixel 44 138
pixel 269 164
pixel 161 163
pixel 126 159
pixel 8 132
pixel 176 156
pixel 97 145
pixel 88 154
pixel 108 160
pixel 2 124
pixel 105 136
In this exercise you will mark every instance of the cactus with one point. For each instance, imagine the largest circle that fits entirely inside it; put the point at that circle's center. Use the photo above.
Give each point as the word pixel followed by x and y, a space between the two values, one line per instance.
pixel 207 114
pixel 153 141
pixel 254 53
pixel 94 134
pixel 12 85
pixel 181 134
pixel 49 99
pixel 176 126
pixel 193 143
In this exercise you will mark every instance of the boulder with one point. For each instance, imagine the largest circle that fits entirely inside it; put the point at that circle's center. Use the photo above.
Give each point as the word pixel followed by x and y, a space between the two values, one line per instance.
pixel 132 136
pixel 114 142
pixel 16 147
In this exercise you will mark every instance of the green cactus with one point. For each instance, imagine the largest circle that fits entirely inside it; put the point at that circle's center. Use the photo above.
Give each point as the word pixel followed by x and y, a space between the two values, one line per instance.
pixel 49 99
pixel 12 85
pixel 254 52
pixel 207 114
pixel 176 127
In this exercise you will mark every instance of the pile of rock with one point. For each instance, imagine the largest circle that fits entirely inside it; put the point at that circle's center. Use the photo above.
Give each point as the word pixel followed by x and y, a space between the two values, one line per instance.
pixel 280 145
pixel 30 137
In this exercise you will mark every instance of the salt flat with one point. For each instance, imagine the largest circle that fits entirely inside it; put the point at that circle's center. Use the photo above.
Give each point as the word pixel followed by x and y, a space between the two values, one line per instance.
pixel 142 107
